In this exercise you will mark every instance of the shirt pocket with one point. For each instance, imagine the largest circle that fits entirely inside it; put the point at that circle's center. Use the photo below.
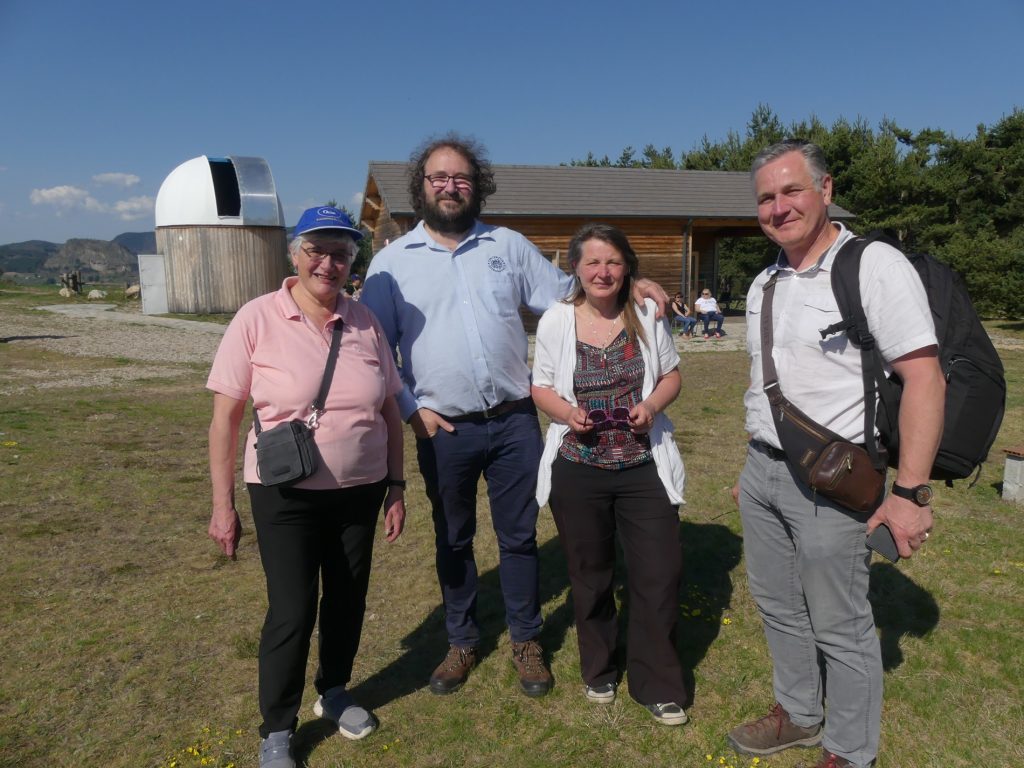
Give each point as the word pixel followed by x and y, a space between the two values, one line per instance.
pixel 818 314
pixel 499 295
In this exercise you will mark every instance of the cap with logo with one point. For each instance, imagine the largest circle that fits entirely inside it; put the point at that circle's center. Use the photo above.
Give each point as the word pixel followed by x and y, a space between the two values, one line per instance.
pixel 326 217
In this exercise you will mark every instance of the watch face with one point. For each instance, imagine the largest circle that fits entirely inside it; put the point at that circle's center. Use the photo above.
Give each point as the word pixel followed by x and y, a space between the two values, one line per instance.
pixel 923 495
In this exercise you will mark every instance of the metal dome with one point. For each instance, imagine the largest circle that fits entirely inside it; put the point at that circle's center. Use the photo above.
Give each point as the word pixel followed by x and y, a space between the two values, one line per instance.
pixel 211 191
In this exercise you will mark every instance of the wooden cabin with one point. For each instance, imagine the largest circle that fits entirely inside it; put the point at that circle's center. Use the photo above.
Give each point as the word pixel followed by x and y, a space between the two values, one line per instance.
pixel 674 219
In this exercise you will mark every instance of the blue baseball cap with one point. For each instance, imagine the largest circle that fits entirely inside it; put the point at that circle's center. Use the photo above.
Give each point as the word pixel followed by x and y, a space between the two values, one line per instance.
pixel 326 217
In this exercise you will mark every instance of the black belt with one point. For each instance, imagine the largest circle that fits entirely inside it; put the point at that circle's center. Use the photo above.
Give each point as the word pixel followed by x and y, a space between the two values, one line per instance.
pixel 490 413
pixel 768 450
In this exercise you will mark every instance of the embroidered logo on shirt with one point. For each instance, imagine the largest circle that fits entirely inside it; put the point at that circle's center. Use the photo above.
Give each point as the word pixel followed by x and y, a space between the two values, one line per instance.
pixel 496 263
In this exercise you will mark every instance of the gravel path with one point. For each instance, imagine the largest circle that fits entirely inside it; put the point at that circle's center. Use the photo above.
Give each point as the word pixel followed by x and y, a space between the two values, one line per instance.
pixel 150 344
pixel 154 347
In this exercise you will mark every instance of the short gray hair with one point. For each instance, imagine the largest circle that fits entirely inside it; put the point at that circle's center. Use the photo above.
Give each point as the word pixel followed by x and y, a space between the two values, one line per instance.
pixel 812 154
pixel 328 237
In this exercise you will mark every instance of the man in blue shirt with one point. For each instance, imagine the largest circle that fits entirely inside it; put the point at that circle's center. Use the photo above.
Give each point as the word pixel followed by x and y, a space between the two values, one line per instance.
pixel 448 295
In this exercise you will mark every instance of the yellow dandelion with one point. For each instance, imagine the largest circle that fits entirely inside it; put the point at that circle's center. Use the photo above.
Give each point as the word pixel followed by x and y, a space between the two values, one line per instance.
pixel 996 571
pixel 10 443
pixel 709 758
pixel 727 621
pixel 755 761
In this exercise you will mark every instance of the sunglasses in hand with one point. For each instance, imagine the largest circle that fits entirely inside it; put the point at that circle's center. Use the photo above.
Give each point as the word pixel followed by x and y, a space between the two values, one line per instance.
pixel 599 416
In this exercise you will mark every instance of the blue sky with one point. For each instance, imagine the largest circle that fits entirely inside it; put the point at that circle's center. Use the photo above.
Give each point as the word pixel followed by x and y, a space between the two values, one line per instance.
pixel 103 99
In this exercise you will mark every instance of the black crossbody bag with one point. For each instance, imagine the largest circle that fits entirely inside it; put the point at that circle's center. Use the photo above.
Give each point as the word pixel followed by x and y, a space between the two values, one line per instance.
pixel 287 453
pixel 832 466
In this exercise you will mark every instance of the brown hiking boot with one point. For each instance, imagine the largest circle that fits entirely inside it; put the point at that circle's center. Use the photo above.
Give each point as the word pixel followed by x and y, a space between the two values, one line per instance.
pixel 830 760
pixel 534 677
pixel 772 733
pixel 453 671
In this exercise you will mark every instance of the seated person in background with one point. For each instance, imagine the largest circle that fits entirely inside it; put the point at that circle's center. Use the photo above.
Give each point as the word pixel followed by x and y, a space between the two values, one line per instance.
pixel 681 312
pixel 708 308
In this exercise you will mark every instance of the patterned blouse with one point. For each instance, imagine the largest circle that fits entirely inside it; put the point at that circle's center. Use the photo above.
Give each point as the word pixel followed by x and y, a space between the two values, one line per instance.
pixel 607 383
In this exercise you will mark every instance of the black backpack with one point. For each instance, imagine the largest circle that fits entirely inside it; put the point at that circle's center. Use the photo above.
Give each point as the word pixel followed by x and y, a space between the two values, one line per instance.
pixel 975 383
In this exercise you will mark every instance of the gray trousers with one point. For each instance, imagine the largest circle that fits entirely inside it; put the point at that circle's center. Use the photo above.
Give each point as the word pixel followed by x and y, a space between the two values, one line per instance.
pixel 807 565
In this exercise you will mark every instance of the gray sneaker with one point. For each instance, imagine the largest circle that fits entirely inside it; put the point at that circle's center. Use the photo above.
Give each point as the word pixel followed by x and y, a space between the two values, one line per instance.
pixel 772 733
pixel 353 721
pixel 668 714
pixel 275 750
pixel 600 694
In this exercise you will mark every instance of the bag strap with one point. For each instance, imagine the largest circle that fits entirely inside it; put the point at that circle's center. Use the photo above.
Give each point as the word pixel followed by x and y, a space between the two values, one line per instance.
pixel 319 402
pixel 846 289
pixel 780 405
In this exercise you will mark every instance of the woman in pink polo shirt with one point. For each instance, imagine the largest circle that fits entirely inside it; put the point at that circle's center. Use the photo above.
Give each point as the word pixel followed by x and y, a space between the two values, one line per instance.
pixel 322 528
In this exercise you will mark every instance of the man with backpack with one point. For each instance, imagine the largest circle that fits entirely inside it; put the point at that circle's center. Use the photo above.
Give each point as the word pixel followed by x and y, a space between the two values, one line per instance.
pixel 806 554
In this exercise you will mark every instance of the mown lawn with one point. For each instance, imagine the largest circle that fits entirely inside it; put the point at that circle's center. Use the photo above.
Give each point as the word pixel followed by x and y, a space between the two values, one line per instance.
pixel 127 641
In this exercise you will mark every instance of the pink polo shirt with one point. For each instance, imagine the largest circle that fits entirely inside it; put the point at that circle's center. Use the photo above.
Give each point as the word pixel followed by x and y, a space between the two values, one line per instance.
pixel 272 353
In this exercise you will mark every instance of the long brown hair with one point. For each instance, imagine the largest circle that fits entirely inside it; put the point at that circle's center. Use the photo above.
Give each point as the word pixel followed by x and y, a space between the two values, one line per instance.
pixel 617 239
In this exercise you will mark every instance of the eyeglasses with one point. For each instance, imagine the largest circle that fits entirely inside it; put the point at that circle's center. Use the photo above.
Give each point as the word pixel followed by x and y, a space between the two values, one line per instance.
pixel 440 180
pixel 341 258
pixel 600 416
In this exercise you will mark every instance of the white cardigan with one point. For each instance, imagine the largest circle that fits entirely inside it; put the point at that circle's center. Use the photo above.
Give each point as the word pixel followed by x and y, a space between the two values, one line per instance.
pixel 554 360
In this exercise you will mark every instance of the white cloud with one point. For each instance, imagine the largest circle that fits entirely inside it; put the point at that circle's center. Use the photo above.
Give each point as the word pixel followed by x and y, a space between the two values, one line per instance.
pixel 64 196
pixel 67 197
pixel 357 202
pixel 117 179
pixel 133 208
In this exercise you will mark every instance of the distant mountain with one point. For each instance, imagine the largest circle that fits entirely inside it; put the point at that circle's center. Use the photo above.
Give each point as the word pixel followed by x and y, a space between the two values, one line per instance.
pixel 103 257
pixel 137 242
pixel 93 257
pixel 26 257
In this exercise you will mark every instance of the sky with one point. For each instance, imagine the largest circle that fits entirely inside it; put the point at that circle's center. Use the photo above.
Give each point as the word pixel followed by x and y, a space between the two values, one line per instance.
pixel 101 100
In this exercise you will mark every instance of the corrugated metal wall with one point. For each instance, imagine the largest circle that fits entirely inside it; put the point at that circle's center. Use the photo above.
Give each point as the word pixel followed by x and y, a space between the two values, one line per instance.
pixel 218 269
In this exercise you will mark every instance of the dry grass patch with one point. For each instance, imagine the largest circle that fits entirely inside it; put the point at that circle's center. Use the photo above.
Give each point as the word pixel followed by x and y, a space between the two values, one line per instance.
pixel 129 642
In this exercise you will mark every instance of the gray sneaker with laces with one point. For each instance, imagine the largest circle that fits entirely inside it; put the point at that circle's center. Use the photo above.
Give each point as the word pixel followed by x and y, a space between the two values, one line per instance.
pixel 668 714
pixel 275 750
pixel 353 721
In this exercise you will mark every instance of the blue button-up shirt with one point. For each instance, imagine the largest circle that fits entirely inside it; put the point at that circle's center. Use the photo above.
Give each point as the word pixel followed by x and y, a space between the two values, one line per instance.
pixel 454 315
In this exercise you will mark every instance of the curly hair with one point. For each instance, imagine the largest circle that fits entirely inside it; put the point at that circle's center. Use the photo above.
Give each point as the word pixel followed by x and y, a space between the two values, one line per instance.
pixel 469 148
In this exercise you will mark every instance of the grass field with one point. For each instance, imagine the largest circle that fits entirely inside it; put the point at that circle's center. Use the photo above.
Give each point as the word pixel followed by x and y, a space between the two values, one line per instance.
pixel 127 641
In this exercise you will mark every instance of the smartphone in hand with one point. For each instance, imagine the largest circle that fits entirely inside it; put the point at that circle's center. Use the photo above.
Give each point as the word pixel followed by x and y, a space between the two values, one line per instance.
pixel 882 542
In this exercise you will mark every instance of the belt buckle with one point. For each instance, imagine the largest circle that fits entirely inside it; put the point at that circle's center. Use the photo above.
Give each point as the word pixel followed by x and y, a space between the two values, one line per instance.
pixel 491 413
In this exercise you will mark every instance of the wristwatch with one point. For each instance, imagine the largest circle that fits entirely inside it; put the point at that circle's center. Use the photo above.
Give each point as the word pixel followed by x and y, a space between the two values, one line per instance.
pixel 396 483
pixel 919 494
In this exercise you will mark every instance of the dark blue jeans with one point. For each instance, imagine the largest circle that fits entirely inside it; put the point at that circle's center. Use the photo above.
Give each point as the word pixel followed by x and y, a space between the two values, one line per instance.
pixel 506 451
pixel 710 317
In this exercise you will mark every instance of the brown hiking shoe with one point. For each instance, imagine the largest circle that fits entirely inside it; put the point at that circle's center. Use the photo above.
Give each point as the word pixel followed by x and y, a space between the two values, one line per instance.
pixel 772 733
pixel 453 671
pixel 830 760
pixel 534 677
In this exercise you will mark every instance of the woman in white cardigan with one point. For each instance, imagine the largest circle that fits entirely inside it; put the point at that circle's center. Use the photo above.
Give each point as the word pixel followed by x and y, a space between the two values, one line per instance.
pixel 605 370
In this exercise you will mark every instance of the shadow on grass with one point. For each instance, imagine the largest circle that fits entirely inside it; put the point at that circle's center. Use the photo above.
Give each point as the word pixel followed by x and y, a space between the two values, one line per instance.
pixel 710 553
pixel 901 608
pixel 5 339
pixel 426 645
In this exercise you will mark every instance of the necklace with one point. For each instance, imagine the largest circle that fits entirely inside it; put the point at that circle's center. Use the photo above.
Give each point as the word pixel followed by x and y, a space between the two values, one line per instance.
pixel 594 333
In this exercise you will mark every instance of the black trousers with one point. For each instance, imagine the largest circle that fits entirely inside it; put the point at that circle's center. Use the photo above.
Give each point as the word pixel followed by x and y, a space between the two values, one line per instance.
pixel 589 506
pixel 307 538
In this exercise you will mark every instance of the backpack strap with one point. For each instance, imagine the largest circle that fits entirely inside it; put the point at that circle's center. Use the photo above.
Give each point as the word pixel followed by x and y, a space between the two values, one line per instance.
pixel 846 288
